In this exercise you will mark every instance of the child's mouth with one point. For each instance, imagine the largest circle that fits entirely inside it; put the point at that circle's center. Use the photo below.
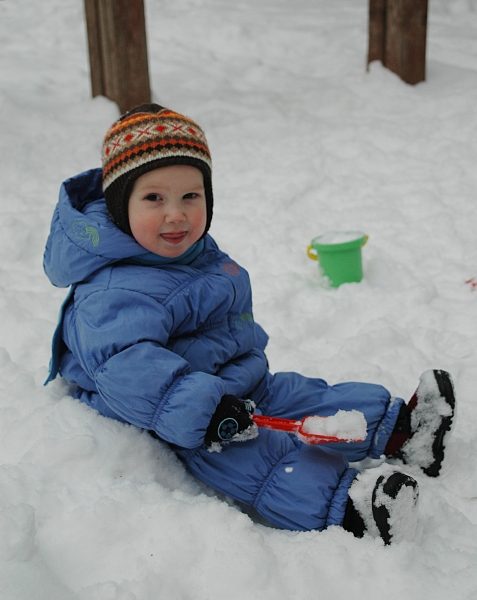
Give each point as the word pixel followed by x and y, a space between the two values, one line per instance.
pixel 174 238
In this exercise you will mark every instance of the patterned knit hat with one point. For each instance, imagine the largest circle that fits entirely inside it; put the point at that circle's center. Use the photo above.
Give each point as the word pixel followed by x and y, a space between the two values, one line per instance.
pixel 145 138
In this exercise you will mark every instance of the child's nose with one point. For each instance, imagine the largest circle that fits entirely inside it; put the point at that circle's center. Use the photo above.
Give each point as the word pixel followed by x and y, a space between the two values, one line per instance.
pixel 175 214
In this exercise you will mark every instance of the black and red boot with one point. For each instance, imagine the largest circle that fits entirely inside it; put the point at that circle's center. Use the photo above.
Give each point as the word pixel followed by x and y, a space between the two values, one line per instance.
pixel 420 434
pixel 382 506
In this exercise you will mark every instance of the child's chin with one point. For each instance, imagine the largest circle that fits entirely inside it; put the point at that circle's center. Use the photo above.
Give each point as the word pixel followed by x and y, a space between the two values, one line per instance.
pixel 172 252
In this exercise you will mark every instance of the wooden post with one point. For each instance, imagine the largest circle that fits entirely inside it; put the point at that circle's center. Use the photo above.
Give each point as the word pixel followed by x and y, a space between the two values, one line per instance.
pixel 397 37
pixel 376 39
pixel 118 51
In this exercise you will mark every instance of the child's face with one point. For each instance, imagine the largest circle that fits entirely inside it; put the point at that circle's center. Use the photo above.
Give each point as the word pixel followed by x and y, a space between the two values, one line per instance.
pixel 167 209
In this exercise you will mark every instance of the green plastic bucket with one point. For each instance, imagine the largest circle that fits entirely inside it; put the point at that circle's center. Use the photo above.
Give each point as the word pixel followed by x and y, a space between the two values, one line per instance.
pixel 339 255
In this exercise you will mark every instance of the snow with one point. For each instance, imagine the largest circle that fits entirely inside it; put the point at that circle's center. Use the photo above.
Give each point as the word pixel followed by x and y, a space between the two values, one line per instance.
pixel 338 237
pixel 403 514
pixel 304 140
pixel 347 424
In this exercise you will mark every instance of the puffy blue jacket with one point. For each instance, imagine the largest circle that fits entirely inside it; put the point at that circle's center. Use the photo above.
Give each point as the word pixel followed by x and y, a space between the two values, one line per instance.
pixel 158 345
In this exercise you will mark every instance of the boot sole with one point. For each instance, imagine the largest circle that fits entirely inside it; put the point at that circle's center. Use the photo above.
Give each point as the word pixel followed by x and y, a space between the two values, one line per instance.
pixel 386 504
pixel 446 390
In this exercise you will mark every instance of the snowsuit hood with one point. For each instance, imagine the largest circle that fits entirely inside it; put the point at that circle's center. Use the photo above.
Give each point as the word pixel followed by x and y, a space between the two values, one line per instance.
pixel 83 238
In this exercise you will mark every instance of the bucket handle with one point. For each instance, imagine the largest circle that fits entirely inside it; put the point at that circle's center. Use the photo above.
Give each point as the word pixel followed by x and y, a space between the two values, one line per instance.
pixel 312 253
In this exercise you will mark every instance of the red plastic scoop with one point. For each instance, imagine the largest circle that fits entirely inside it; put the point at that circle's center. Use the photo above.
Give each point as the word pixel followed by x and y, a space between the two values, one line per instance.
pixel 305 429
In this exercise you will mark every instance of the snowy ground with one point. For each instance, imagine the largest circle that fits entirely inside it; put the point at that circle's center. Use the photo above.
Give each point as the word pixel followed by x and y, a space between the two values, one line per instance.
pixel 304 141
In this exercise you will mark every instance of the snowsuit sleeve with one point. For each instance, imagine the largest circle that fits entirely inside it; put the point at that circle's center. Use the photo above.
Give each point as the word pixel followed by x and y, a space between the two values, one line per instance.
pixel 121 342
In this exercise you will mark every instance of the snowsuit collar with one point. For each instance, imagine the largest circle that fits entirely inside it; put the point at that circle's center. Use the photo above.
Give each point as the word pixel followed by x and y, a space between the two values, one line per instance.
pixel 151 259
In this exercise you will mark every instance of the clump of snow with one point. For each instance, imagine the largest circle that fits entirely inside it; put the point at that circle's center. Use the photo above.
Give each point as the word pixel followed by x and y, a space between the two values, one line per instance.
pixel 247 434
pixel 215 447
pixel 338 237
pixel 403 512
pixel 347 424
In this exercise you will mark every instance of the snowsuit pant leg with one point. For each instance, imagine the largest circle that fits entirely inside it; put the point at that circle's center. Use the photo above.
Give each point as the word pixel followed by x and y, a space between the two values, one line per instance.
pixel 294 396
pixel 291 485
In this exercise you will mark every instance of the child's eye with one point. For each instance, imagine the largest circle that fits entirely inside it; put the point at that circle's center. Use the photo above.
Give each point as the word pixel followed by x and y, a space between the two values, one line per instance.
pixel 152 197
pixel 191 196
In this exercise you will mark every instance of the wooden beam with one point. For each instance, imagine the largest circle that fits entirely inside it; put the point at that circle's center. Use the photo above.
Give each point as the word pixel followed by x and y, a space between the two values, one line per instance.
pixel 376 30
pixel 398 37
pixel 406 32
pixel 94 47
pixel 118 51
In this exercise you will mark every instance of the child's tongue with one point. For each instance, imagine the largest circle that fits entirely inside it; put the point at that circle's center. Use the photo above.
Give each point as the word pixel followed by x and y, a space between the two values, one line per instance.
pixel 174 238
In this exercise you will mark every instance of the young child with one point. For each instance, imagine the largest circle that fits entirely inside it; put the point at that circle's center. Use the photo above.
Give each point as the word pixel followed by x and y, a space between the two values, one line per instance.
pixel 158 331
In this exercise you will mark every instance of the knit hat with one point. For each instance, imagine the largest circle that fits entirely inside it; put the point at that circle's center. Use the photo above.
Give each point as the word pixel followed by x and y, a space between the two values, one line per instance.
pixel 145 138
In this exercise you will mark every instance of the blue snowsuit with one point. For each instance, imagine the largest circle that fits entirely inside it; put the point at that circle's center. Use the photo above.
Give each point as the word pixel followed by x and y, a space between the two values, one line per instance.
pixel 158 346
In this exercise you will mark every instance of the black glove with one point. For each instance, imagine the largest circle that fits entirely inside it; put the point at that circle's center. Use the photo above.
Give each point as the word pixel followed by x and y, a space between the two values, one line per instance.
pixel 231 416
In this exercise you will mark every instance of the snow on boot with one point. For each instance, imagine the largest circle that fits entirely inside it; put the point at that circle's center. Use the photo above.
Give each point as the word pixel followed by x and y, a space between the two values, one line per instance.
pixel 431 415
pixel 383 507
pixel 394 502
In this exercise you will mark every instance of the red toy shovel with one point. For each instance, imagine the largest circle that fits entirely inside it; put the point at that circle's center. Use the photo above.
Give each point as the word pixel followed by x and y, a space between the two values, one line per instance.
pixel 305 429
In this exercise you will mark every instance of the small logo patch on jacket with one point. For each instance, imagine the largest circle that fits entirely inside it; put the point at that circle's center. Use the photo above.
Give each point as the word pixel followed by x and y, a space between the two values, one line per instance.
pixel 242 320
pixel 82 230
pixel 231 268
